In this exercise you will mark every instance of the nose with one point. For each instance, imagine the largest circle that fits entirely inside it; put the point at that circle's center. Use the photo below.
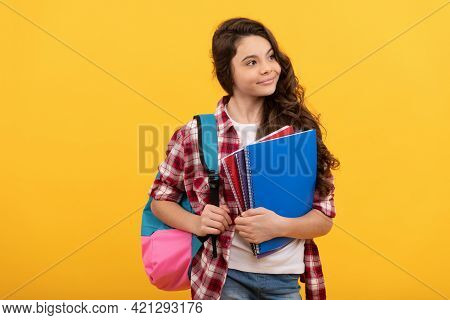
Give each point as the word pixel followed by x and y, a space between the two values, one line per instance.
pixel 265 68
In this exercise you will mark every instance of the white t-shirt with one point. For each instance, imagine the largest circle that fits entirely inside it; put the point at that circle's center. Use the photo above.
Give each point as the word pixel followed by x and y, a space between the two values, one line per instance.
pixel 286 260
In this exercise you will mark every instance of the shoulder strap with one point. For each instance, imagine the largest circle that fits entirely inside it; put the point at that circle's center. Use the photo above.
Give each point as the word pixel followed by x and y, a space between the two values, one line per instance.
pixel 207 135
pixel 208 149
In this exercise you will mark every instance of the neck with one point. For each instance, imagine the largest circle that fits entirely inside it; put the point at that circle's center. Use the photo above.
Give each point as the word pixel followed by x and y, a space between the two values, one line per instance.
pixel 245 109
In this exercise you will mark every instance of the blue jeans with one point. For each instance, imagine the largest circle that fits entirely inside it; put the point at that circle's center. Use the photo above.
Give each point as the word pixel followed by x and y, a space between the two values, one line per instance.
pixel 241 285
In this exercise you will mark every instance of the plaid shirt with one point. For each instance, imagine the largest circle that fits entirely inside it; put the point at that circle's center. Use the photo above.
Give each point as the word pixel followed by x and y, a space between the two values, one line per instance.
pixel 182 171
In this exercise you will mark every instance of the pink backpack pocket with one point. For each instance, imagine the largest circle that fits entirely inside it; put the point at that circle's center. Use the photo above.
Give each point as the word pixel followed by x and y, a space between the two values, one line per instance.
pixel 167 257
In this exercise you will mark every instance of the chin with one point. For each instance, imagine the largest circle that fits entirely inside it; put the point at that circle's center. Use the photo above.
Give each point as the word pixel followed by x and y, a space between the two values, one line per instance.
pixel 267 91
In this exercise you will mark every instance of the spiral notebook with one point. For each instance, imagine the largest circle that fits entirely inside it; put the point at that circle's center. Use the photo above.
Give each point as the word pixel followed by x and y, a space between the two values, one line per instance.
pixel 234 166
pixel 281 176
pixel 237 168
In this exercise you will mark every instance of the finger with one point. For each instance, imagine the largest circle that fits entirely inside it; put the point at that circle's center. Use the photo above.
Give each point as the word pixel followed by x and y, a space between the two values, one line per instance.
pixel 225 207
pixel 223 213
pixel 228 217
pixel 219 210
pixel 216 224
pixel 221 219
pixel 241 228
pixel 217 217
pixel 210 230
pixel 249 212
pixel 255 211
pixel 243 221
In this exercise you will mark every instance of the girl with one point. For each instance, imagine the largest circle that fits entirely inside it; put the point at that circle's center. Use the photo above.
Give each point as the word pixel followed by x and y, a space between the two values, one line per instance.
pixel 263 95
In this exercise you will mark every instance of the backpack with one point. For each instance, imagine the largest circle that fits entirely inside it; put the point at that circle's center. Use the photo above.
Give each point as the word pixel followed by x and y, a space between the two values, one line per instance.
pixel 167 253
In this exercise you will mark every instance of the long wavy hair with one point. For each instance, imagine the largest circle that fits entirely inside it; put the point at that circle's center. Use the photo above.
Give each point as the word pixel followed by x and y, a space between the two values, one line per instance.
pixel 286 105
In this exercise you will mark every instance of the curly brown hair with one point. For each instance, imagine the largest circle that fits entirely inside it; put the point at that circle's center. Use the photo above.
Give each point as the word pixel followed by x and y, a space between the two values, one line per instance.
pixel 286 105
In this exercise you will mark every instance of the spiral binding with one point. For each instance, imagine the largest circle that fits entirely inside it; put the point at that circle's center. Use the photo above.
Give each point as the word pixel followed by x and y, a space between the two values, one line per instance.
pixel 238 161
pixel 255 247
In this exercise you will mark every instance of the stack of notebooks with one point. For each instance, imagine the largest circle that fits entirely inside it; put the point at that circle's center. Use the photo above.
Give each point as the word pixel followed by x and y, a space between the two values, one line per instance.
pixel 277 172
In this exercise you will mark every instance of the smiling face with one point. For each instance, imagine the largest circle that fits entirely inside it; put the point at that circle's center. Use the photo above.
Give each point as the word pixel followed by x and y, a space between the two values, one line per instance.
pixel 253 64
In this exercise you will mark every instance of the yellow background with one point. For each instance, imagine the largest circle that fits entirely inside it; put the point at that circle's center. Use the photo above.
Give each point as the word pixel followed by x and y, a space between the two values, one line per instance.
pixel 79 78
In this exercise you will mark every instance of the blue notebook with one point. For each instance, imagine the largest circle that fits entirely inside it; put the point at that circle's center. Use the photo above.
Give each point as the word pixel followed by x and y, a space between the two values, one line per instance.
pixel 281 175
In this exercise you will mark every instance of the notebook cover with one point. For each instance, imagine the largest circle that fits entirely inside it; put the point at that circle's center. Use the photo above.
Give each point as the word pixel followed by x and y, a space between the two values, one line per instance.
pixel 284 168
pixel 242 166
pixel 284 131
pixel 240 185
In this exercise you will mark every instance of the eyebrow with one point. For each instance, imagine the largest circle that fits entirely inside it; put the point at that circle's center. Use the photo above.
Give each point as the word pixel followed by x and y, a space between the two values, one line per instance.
pixel 254 56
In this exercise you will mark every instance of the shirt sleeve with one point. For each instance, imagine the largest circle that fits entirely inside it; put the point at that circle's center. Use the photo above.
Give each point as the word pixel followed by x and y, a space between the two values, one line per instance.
pixel 325 204
pixel 169 185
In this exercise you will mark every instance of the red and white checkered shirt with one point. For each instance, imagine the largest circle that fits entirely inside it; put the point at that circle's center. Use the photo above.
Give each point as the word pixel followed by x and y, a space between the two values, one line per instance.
pixel 182 171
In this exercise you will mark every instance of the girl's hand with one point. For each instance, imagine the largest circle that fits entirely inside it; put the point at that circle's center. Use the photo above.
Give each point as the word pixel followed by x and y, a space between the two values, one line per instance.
pixel 258 225
pixel 213 220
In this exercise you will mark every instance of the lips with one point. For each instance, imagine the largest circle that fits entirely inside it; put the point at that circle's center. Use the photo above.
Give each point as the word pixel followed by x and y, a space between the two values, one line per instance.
pixel 267 80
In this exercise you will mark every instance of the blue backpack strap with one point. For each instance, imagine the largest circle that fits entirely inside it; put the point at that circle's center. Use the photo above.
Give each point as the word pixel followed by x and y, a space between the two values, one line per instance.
pixel 207 129
pixel 208 148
